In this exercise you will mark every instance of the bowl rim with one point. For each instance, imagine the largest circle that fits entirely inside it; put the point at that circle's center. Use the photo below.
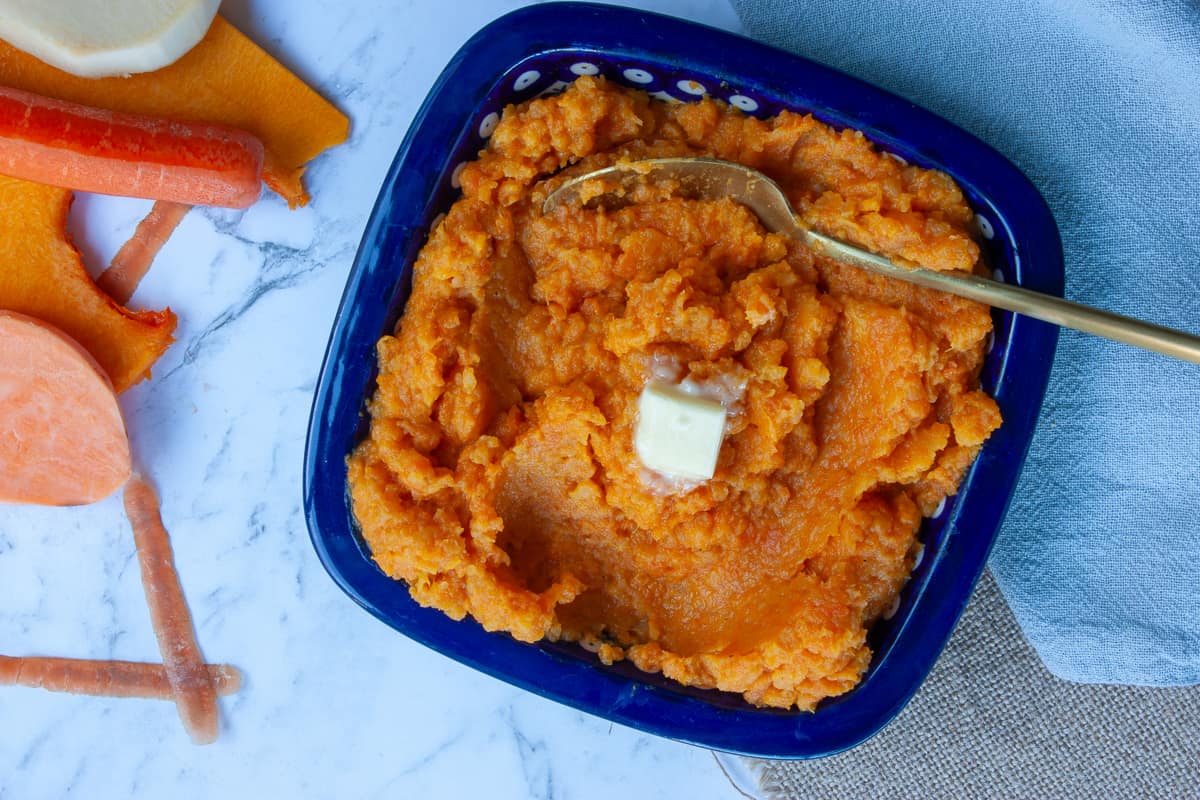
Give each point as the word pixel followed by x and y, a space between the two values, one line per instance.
pixel 381 271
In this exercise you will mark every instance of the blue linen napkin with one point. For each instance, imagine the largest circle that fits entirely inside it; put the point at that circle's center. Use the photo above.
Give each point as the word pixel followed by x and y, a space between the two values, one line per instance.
pixel 1098 102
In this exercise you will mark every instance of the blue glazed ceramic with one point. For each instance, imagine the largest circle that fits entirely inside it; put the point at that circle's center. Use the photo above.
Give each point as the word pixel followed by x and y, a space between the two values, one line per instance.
pixel 536 51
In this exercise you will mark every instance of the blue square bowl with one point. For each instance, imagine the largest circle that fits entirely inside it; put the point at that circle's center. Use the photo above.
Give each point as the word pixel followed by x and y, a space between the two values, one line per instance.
pixel 536 51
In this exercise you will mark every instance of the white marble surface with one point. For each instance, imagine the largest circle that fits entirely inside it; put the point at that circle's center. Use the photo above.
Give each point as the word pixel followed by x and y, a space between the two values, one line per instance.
pixel 334 704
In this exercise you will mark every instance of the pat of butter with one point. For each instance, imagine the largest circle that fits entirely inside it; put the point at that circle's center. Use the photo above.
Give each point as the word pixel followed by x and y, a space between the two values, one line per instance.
pixel 678 434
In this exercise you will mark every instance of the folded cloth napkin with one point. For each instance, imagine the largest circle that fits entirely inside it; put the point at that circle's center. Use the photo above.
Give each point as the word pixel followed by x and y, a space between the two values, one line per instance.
pixel 1098 102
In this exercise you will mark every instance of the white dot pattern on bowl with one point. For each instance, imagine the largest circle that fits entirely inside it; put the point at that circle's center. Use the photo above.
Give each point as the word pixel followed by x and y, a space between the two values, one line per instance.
pixel 526 79
pixel 694 88
pixel 639 76
pixel 554 88
pixel 893 608
pixel 743 103
pixel 666 97
pixel 998 274
pixel 456 175
pixel 488 126
pixel 937 512
pixel 585 68
pixel 985 226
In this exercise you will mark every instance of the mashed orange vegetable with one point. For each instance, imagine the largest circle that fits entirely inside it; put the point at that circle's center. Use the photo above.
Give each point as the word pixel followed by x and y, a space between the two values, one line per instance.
pixel 499 478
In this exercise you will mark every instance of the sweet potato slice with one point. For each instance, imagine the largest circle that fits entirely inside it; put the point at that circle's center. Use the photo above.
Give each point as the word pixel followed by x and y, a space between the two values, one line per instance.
pixel 105 678
pixel 195 695
pixel 225 79
pixel 62 438
pixel 41 275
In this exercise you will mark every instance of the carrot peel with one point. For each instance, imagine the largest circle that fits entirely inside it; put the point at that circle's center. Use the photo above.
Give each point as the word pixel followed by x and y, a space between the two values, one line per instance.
pixel 195 696
pixel 105 678
pixel 133 260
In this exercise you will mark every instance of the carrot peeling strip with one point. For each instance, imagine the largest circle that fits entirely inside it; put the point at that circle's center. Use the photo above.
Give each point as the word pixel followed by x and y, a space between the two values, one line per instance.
pixel 186 672
pixel 89 149
pixel 105 678
pixel 133 260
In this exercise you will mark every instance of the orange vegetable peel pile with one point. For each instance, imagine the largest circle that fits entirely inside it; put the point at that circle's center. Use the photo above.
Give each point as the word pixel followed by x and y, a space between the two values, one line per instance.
pixel 227 80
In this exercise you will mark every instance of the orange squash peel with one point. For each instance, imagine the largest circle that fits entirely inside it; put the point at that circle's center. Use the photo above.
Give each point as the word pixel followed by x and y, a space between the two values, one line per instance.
pixel 42 275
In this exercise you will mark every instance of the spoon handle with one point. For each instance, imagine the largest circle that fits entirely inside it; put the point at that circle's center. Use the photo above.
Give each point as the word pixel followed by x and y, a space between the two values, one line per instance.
pixel 1045 307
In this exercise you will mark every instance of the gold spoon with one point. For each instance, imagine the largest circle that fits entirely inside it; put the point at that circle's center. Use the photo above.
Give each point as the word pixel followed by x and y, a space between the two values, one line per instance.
pixel 712 179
